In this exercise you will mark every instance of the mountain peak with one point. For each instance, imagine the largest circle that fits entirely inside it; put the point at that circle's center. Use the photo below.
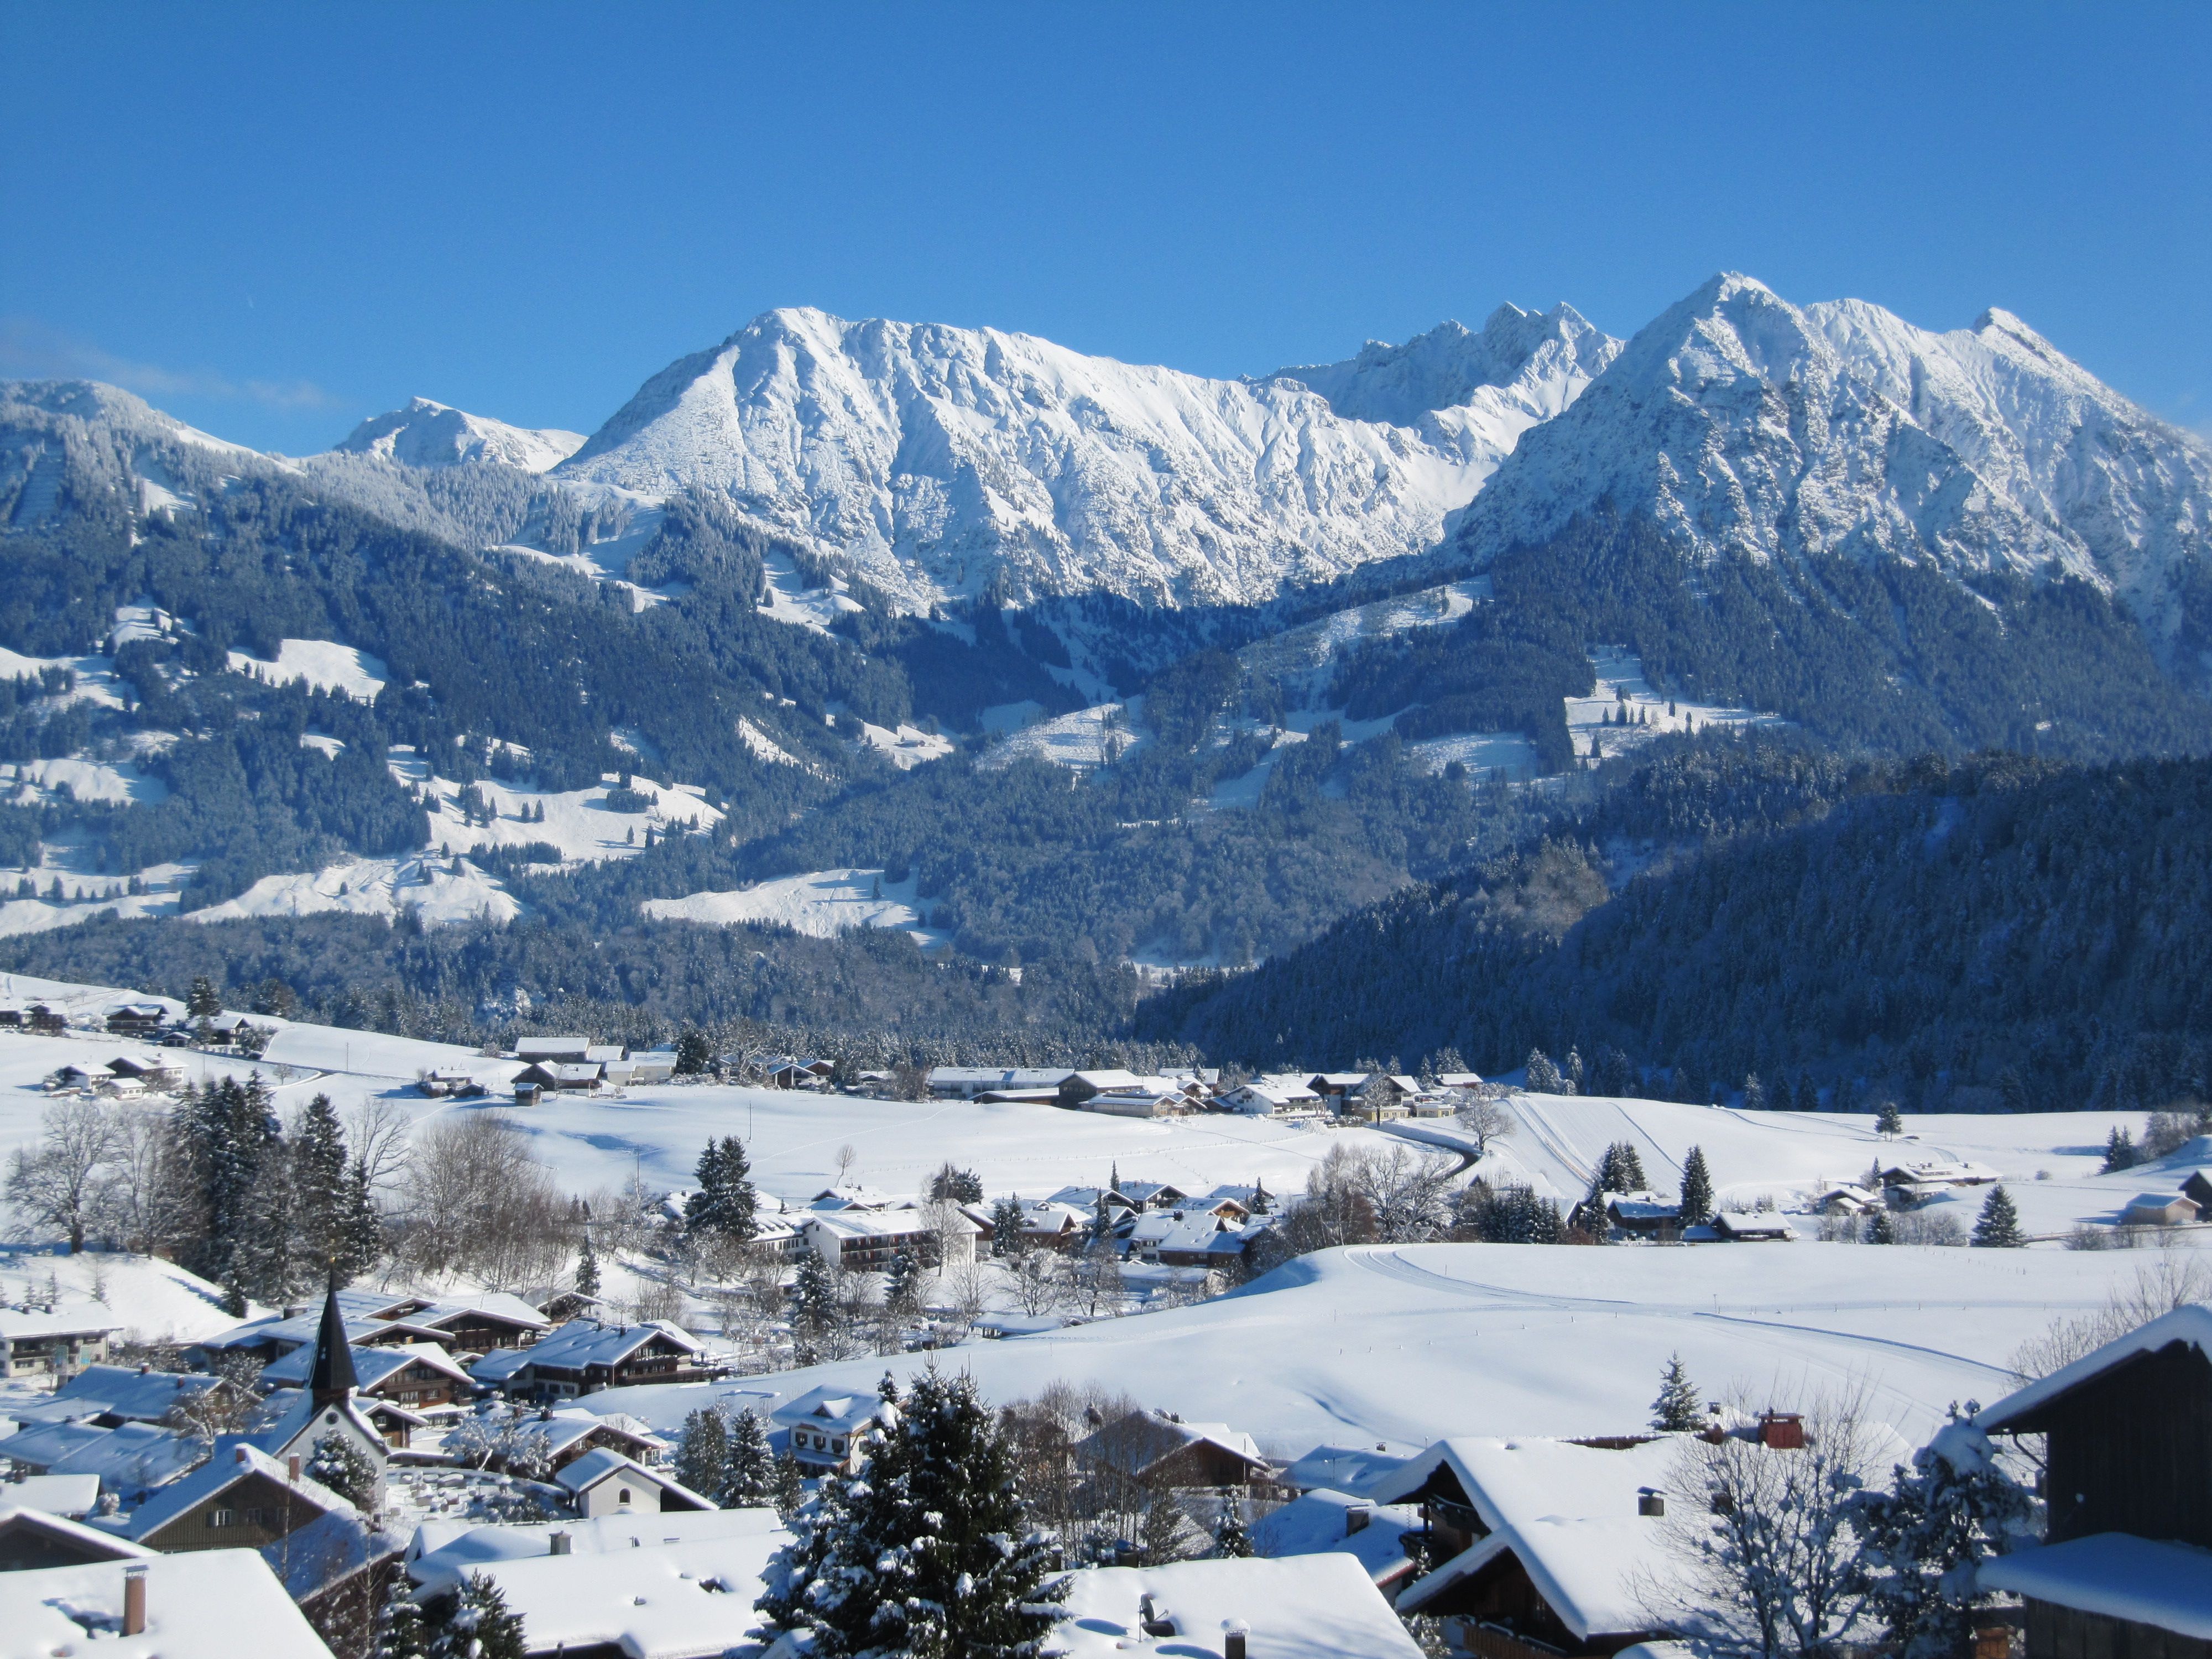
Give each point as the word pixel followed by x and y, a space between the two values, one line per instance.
pixel 1447 366
pixel 427 432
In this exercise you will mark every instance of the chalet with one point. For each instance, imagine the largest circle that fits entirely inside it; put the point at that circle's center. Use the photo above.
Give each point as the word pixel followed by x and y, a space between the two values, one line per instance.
pixel 148 1071
pixel 559 1077
pixel 869 1240
pixel 1544 1546
pixel 2160 1210
pixel 30 1538
pixel 1333 1086
pixel 797 1073
pixel 217 1604
pixel 242 1498
pixel 135 1019
pixel 1462 1081
pixel 1848 1199
pixel 53 1344
pixel 1139 1102
pixel 1378 1098
pixel 414 1374
pixel 1154 1195
pixel 442 1082
pixel 1642 1215
pixel 1754 1228
pixel 2125 1568
pixel 1909 1183
pixel 1077 1087
pixel 1054 1226
pixel 584 1355
pixel 652 1066
pixel 108 1396
pixel 2199 1188
pixel 45 1018
pixel 605 1482
pixel 824 1425
pixel 1086 1199
pixel 1158 1449
pixel 480 1323
pixel 1301 1607
pixel 1265 1099
pixel 130 1462
pixel 1201 1239
pixel 558 1303
pixel 64 1079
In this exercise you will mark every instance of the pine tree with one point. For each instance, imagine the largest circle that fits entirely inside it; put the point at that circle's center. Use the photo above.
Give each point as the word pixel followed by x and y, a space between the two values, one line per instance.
pixel 401 1630
pixel 1846 1097
pixel 1677 1408
pixel 1879 1229
pixel 1755 1093
pixel 1887 1120
pixel 1621 1169
pixel 902 1286
pixel 748 1478
pixel 1160 1534
pixel 476 1624
pixel 2119 1150
pixel 346 1469
pixel 724 1207
pixel 1543 1077
pixel 1006 1218
pixel 1920 1541
pixel 813 1293
pixel 587 1266
pixel 1808 1093
pixel 1697 1205
pixel 1998 1226
pixel 202 1002
pixel 789 1486
pixel 1231 1540
pixel 322 1190
pixel 702 1450
pixel 694 1053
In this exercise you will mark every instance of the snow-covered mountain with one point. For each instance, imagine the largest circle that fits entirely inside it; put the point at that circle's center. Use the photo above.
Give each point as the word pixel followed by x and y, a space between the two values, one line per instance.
pixel 427 434
pixel 1742 424
pixel 939 460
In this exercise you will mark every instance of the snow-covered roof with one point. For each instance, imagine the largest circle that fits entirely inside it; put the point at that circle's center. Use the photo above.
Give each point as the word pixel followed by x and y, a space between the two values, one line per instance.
pixel 71 1319
pixel 53 1494
pixel 2191 1324
pixel 1569 1514
pixel 579 1343
pixel 1306 1607
pixel 839 1411
pixel 853 1197
pixel 332 1546
pixel 1320 1523
pixel 1111 1078
pixel 371 1365
pixel 206 1604
pixel 487 1304
pixel 234 1463
pixel 877 1223
pixel 1135 1442
pixel 551 1047
pixel 20 1518
pixel 1751 1226
pixel 1345 1468
pixel 660 1600
pixel 130 1458
pixel 1275 1094
pixel 1458 1079
pixel 2144 1581
pixel 605 1463
pixel 444 1552
pixel 2160 1202
pixel 120 1391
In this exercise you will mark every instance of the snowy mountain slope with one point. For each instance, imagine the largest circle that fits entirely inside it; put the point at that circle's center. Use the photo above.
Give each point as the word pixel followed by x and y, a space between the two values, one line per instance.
pixel 427 434
pixel 1742 424
pixel 940 460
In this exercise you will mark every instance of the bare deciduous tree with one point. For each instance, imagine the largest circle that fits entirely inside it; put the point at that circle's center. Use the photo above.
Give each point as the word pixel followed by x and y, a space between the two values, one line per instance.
pixel 1484 1119
pixel 56 1183
pixel 2176 1278
pixel 475 1201
pixel 376 1135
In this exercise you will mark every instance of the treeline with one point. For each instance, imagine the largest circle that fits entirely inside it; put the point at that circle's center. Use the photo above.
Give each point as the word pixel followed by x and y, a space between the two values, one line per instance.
pixel 1992 933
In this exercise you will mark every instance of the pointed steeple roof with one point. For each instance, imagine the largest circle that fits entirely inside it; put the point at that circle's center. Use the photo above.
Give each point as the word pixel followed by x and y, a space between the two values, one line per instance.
pixel 332 1376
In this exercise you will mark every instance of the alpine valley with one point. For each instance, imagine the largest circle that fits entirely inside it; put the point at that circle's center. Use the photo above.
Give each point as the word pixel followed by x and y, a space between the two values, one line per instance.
pixel 904 691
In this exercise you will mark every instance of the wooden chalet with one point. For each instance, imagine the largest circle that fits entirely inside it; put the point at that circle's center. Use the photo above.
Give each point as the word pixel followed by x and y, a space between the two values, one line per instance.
pixel 32 1539
pixel 240 1499
pixel 1158 1449
pixel 136 1019
pixel 2125 1569
pixel 583 1356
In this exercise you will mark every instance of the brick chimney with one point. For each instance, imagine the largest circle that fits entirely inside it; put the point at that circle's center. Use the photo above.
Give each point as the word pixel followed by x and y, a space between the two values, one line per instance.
pixel 134 1600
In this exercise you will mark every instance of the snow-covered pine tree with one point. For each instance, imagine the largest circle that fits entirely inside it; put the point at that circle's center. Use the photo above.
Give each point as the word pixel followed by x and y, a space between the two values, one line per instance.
pixel 1696 1205
pixel 824 1580
pixel 1755 1093
pixel 345 1468
pixel 402 1632
pixel 1998 1227
pixel 1879 1229
pixel 1231 1539
pixel 1677 1408
pixel 724 1205
pixel 902 1286
pixel 813 1292
pixel 790 1486
pixel 476 1624
pixel 587 1266
pixel 1006 1226
pixel 703 1450
pixel 1920 1543
pixel 1622 1169
pixel 2119 1150
pixel 203 1001
pixel 1543 1076
pixel 1160 1533
pixel 1887 1120
pixel 748 1467
pixel 320 1186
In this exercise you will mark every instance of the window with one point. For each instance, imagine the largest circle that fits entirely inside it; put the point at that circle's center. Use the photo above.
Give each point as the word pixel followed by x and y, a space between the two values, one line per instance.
pixel 222 1517
pixel 622 1495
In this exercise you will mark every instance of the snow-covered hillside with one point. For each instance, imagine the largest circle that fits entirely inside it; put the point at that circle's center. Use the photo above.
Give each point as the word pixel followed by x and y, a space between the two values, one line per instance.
pixel 822 903
pixel 1742 423
pixel 427 434
pixel 938 460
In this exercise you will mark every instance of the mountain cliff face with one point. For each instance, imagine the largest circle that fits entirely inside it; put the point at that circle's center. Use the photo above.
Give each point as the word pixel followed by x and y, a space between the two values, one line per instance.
pixel 1741 424
pixel 427 433
pixel 940 461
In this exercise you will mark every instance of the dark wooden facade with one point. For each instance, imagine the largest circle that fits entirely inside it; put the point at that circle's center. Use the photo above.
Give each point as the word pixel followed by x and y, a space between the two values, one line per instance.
pixel 2057 1632
pixel 27 1544
pixel 2129 1450
pixel 246 1514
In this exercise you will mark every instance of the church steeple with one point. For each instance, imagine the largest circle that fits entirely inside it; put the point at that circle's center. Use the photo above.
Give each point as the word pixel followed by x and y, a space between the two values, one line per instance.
pixel 332 1377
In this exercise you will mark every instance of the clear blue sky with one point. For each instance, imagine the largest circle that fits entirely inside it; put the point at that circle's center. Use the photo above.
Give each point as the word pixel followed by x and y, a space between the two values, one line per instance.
pixel 275 220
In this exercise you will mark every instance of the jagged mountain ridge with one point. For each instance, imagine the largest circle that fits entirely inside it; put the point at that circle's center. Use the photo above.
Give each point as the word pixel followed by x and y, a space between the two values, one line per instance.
pixel 940 461
pixel 1742 424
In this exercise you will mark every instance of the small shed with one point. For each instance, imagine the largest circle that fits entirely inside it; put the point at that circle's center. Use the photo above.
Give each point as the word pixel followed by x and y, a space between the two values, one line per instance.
pixel 2160 1210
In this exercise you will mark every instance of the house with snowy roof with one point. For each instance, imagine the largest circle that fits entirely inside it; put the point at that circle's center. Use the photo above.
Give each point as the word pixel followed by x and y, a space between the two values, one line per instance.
pixel 1270 1098
pixel 1548 1543
pixel 239 1498
pixel 328 1407
pixel 53 1343
pixel 1201 1238
pixel 216 1604
pixel 71 1495
pixel 1152 1195
pixel 1324 1521
pixel 585 1356
pixel 472 1324
pixel 1077 1087
pixel 1642 1215
pixel 603 1481
pixel 2160 1210
pixel 2125 1566
pixel 130 1462
pixel 31 1538
pixel 135 1019
pixel 1378 1098
pixel 414 1374
pixel 870 1240
pixel 1301 1607
pixel 108 1396
pixel 825 1424
pixel 1157 1449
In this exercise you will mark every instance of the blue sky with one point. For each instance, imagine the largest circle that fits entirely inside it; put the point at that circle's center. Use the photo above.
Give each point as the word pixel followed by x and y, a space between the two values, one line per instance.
pixel 276 221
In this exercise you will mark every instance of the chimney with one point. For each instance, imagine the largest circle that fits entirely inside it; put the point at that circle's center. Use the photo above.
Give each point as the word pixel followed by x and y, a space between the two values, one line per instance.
pixel 134 1600
pixel 1233 1632
pixel 1356 1519
pixel 560 1543
pixel 292 1467
pixel 1650 1503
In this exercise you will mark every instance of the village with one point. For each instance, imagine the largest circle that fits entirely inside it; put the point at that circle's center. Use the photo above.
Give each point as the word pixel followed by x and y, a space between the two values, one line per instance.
pixel 621 1437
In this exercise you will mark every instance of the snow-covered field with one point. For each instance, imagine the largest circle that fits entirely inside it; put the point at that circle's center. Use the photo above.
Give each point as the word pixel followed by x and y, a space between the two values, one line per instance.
pixel 822 903
pixel 1082 741
pixel 154 1300
pixel 1402 1345
pixel 1625 697
pixel 907 747
pixel 438 890
pixel 322 663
